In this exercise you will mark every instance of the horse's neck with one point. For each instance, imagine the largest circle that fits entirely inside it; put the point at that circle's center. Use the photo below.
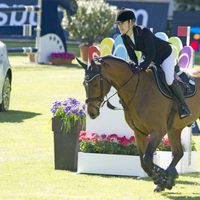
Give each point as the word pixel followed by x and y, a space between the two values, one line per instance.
pixel 121 78
pixel 127 84
pixel 117 73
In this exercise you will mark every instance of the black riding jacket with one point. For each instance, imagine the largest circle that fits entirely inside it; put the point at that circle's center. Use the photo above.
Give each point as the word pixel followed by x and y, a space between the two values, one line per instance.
pixel 152 48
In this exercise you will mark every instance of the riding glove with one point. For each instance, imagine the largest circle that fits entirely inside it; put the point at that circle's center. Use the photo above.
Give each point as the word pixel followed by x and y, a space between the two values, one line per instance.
pixel 135 68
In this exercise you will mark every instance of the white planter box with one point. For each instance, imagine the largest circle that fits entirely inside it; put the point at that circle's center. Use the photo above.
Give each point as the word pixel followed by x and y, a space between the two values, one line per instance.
pixel 110 164
pixel 164 158
pixel 189 164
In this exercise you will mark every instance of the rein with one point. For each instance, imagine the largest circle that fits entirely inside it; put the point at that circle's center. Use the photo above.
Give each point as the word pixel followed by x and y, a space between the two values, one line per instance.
pixel 120 88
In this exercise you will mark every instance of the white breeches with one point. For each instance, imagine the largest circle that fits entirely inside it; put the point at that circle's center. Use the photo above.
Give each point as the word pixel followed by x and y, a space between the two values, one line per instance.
pixel 168 66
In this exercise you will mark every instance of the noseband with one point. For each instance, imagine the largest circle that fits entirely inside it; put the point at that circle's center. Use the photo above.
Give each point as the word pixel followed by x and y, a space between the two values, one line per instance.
pixel 99 98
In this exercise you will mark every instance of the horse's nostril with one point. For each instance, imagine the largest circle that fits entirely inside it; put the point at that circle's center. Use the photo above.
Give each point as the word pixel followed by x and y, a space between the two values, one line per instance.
pixel 92 115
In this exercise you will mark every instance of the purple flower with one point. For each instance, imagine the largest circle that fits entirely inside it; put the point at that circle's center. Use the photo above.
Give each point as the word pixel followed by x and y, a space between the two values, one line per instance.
pixel 69 108
pixel 74 110
pixel 82 113
pixel 55 106
pixel 84 106
pixel 64 55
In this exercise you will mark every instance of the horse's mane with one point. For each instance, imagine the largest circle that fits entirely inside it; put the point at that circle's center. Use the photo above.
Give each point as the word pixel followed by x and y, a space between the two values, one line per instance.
pixel 114 58
pixel 108 58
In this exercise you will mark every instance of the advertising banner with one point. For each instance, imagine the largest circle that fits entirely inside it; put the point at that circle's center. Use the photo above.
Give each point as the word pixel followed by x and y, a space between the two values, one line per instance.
pixel 11 23
pixel 148 14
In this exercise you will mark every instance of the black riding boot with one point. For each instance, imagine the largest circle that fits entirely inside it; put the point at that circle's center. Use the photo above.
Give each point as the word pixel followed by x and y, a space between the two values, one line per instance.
pixel 182 106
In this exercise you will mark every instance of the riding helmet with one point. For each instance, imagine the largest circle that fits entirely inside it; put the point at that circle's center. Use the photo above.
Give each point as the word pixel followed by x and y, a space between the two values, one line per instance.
pixel 124 15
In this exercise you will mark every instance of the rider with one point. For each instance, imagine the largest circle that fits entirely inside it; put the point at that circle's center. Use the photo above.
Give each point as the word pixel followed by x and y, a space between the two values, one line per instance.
pixel 154 50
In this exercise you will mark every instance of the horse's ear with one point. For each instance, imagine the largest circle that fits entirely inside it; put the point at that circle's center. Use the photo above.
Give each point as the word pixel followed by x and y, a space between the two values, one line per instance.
pixel 82 63
pixel 95 65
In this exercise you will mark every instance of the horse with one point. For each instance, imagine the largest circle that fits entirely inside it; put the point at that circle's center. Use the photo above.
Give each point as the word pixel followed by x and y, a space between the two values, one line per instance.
pixel 146 110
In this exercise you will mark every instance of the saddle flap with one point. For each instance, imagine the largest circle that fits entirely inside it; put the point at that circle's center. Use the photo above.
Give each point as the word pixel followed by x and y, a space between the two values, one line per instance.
pixel 185 80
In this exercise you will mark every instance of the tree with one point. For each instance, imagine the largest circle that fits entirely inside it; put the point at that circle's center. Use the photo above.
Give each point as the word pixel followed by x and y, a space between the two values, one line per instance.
pixel 188 5
pixel 93 21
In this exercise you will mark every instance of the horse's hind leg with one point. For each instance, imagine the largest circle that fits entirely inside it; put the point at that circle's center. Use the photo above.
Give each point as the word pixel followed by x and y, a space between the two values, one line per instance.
pixel 177 152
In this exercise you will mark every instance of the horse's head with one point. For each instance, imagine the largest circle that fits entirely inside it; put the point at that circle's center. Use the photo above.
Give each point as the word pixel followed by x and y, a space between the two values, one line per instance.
pixel 71 6
pixel 96 87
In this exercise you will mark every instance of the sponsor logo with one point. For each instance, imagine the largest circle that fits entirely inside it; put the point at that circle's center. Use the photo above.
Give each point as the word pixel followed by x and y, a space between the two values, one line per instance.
pixel 143 15
pixel 14 18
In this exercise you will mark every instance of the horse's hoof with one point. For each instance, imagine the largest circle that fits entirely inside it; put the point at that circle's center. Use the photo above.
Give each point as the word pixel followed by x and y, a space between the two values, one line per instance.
pixel 170 182
pixel 171 176
pixel 168 187
pixel 159 188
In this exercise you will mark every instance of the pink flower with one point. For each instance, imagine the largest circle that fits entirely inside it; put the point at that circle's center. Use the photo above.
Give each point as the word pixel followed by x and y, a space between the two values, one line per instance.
pixel 103 136
pixel 64 55
pixel 132 139
pixel 105 143
pixel 82 133
pixel 165 141
pixel 113 135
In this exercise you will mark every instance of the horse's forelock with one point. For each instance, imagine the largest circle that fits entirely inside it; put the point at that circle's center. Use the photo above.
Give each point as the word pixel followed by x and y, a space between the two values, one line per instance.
pixel 91 72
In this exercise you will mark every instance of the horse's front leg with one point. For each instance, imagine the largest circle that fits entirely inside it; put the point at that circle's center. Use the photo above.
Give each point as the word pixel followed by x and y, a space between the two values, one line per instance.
pixel 142 146
pixel 158 174
pixel 177 152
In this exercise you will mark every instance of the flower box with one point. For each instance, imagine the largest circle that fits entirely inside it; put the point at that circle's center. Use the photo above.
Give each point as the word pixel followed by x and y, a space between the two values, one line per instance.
pixel 67 122
pixel 66 145
pixel 189 162
pixel 61 61
pixel 110 164
pixel 115 155
pixel 62 58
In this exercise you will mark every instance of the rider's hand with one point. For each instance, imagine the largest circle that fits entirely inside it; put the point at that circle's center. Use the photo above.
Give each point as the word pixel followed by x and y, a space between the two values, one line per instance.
pixel 136 69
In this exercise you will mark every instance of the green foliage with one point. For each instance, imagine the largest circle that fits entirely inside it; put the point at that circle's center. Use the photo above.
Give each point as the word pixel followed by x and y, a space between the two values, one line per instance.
pixel 108 148
pixel 107 144
pixel 193 147
pixel 188 5
pixel 93 21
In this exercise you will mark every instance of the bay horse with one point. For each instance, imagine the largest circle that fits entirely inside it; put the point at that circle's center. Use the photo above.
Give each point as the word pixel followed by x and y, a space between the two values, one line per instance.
pixel 146 111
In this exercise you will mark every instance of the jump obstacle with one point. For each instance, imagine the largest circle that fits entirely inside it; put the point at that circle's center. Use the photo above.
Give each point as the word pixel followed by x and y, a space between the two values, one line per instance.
pixel 43 44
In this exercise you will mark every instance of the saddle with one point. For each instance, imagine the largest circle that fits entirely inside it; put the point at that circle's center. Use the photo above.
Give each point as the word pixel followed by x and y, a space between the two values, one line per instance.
pixel 186 82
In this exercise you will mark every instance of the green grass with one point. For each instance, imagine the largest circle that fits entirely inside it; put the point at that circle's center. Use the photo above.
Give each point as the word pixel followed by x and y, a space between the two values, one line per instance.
pixel 197 58
pixel 26 145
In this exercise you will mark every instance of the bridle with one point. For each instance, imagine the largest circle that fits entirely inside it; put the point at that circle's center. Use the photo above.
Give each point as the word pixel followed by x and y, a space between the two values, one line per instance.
pixel 99 98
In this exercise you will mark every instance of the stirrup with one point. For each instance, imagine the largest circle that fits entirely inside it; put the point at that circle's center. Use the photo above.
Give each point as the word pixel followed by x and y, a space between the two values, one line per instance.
pixel 184 112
